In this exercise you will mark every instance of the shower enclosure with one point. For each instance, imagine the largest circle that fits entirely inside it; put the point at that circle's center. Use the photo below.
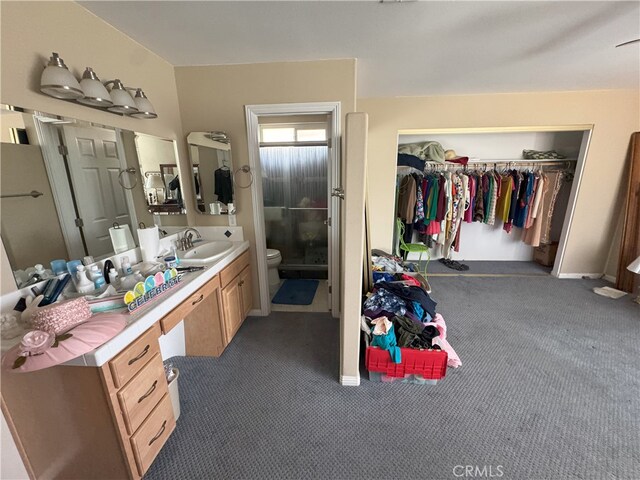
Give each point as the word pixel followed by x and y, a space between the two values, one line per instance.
pixel 295 190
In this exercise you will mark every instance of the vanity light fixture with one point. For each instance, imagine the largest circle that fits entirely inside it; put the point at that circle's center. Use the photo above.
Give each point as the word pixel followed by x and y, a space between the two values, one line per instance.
pixel 122 101
pixel 95 93
pixel 57 81
pixel 145 108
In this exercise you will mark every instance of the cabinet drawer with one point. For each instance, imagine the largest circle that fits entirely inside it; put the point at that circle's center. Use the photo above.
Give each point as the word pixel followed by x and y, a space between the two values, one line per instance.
pixel 129 362
pixel 142 393
pixel 181 311
pixel 230 272
pixel 150 437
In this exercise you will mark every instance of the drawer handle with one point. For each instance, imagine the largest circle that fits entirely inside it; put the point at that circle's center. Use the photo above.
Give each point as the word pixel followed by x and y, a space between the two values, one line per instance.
pixel 164 425
pixel 241 283
pixel 149 392
pixel 198 300
pixel 142 354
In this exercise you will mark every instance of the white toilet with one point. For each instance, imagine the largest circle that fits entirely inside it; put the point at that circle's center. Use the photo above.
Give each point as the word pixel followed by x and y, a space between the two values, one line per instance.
pixel 273 261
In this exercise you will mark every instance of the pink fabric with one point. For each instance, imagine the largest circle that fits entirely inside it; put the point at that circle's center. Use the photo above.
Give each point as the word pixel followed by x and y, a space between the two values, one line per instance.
pixel 441 341
pixel 84 338
pixel 468 214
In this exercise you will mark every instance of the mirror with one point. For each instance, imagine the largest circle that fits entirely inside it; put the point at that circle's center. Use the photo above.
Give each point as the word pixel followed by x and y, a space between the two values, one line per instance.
pixel 159 174
pixel 210 154
pixel 64 183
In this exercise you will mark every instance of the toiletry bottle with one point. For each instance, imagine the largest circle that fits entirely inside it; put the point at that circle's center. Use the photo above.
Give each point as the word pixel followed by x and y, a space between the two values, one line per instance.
pixel 174 252
pixel 113 277
pixel 126 266
pixel 83 284
pixel 96 276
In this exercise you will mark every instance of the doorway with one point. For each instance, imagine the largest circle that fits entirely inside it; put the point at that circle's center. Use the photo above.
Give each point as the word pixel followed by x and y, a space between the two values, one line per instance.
pixel 294 158
pixel 294 149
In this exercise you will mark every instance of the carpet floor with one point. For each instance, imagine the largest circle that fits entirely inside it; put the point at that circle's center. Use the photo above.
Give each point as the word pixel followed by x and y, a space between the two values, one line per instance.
pixel 481 267
pixel 549 388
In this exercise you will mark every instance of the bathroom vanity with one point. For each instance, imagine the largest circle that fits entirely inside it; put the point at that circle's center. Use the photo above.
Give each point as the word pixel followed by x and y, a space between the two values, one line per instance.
pixel 109 414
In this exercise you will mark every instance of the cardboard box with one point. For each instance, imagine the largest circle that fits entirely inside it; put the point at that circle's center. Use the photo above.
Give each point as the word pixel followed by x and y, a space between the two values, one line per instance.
pixel 545 254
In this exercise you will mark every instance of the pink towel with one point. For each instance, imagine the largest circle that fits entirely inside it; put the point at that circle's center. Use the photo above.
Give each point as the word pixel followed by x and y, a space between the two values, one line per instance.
pixel 441 341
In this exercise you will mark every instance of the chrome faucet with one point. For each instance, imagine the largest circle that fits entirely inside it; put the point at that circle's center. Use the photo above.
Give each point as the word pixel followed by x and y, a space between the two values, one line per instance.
pixel 186 242
pixel 187 232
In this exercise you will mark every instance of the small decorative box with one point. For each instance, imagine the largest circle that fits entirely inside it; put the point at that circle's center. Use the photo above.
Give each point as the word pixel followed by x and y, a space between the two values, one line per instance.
pixel 60 317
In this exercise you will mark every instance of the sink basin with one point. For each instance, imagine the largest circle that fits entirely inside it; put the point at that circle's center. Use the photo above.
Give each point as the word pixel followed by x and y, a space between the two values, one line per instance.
pixel 205 252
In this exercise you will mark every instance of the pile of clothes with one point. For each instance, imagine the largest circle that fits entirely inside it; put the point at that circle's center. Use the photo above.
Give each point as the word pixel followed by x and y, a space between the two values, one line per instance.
pixel 400 313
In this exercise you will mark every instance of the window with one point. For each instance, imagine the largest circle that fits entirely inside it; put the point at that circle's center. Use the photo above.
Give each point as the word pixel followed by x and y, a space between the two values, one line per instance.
pixel 311 135
pixel 278 134
pixel 299 133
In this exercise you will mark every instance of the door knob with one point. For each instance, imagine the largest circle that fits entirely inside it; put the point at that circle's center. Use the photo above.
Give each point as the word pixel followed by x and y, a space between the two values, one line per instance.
pixel 338 192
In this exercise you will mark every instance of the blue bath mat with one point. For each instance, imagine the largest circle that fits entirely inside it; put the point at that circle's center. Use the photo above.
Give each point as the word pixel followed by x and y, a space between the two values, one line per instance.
pixel 296 292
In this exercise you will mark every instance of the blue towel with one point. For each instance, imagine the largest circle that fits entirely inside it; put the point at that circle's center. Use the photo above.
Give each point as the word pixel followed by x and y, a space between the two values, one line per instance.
pixel 388 342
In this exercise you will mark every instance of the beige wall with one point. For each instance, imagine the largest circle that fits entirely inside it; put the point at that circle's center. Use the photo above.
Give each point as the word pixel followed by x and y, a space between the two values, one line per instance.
pixel 30 31
pixel 615 114
pixel 213 98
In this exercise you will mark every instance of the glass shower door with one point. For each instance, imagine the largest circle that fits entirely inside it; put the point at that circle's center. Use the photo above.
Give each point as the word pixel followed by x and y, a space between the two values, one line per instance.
pixel 294 188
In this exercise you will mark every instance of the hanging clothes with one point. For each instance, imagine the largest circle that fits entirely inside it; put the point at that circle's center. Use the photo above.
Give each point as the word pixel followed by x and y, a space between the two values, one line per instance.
pixel 532 235
pixel 555 182
pixel 223 185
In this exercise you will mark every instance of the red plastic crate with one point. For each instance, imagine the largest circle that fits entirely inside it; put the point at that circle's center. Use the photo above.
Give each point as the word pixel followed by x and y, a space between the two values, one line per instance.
pixel 430 364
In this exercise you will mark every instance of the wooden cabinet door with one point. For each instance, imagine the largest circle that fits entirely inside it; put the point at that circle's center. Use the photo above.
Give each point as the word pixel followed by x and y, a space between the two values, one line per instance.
pixel 203 326
pixel 246 293
pixel 232 308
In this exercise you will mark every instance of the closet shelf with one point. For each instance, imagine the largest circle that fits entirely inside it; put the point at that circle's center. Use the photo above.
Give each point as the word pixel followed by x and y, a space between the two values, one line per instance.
pixel 478 161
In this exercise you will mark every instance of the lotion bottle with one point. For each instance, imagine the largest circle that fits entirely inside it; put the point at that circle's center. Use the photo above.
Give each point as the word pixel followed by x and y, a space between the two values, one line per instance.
pixel 113 277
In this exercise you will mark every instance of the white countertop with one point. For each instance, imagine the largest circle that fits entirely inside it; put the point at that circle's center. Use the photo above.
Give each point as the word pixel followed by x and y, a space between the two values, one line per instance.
pixel 143 318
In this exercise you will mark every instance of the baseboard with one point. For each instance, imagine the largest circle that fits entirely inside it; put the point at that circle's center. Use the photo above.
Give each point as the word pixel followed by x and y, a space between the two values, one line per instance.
pixel 610 278
pixel 349 381
pixel 579 275
pixel 256 313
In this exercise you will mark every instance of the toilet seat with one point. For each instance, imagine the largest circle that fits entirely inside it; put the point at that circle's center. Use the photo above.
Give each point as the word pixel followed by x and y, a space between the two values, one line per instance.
pixel 272 253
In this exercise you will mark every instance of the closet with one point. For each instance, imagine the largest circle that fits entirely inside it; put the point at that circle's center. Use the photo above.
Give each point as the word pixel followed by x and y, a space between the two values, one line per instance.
pixel 501 150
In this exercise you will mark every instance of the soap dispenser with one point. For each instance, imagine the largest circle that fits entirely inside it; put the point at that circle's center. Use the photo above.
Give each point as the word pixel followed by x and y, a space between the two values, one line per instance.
pixel 83 284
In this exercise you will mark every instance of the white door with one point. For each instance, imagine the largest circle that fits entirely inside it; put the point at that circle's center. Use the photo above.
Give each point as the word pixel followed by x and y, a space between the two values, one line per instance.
pixel 95 166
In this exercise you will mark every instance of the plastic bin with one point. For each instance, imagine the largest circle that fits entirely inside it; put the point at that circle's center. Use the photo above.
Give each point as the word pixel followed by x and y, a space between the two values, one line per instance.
pixel 408 378
pixel 427 364
pixel 174 393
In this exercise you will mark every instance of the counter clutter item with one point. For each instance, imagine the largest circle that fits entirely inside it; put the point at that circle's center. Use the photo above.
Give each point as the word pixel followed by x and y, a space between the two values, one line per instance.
pixel 153 286
pixel 149 239
pixel 39 349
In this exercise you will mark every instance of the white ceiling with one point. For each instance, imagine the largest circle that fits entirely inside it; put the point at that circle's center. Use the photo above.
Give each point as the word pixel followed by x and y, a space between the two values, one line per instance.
pixel 403 48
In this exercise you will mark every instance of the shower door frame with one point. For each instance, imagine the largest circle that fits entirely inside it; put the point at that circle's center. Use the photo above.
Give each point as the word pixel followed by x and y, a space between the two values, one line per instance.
pixel 253 112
